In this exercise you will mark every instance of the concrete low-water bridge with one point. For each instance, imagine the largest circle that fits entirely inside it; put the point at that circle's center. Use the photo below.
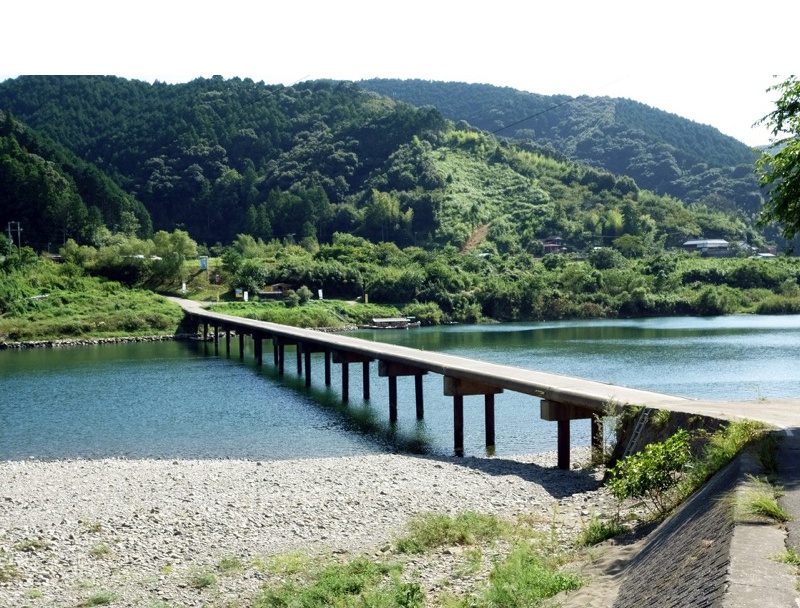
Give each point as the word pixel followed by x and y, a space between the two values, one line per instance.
pixel 563 398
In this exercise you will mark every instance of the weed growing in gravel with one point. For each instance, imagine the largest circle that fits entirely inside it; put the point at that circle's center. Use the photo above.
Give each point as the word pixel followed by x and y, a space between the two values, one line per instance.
pixel 32 545
pixel 525 577
pixel 8 573
pixel 95 527
pixel 100 550
pixel 289 563
pixel 230 565
pixel 360 582
pixel 200 579
pixel 34 594
pixel 473 559
pixel 98 599
pixel 435 530
pixel 598 530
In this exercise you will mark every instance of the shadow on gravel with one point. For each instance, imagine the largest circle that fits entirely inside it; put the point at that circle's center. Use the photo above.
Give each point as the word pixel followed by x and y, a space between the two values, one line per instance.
pixel 558 483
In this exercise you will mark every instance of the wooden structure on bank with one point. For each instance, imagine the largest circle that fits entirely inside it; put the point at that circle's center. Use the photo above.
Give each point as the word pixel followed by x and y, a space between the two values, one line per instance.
pixel 563 398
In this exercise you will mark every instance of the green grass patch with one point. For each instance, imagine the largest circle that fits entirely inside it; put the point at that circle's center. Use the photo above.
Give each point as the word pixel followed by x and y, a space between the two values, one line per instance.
pixel 230 565
pixel 47 302
pixel 598 530
pixel 314 314
pixel 525 578
pixel 359 582
pixel 98 599
pixel 201 579
pixel 8 572
pixel 432 530
pixel 761 498
pixel 100 550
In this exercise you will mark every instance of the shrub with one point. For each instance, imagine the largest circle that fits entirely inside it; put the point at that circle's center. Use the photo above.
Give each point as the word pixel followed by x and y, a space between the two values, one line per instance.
pixel 653 472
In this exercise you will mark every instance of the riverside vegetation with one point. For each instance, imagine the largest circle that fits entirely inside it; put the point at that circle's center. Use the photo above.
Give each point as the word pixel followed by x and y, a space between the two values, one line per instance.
pixel 111 291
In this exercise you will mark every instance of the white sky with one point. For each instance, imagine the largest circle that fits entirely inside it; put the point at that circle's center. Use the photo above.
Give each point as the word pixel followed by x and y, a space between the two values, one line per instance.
pixel 707 60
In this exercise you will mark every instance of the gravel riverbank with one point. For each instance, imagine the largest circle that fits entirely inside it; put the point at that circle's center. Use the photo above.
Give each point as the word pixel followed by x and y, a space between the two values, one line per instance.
pixel 139 530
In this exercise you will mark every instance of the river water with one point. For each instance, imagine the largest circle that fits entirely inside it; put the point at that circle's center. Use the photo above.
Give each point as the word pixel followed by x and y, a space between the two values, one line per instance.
pixel 185 400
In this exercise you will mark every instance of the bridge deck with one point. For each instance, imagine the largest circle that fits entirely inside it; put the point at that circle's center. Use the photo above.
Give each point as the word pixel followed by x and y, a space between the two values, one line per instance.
pixel 553 387
pixel 564 398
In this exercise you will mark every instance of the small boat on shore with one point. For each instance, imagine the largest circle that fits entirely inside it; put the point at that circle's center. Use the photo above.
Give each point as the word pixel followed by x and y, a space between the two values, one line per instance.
pixel 392 323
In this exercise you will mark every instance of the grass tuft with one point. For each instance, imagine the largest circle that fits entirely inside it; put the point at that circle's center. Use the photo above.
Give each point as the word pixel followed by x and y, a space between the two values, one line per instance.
pixel 200 579
pixel 435 530
pixel 98 599
pixel 597 531
pixel 360 582
pixel 762 499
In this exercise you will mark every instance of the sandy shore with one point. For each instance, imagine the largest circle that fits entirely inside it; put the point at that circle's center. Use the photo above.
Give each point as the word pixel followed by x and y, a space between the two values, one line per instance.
pixel 139 529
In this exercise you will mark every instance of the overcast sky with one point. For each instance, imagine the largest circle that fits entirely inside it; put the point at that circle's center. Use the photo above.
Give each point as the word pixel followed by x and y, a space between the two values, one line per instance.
pixel 708 60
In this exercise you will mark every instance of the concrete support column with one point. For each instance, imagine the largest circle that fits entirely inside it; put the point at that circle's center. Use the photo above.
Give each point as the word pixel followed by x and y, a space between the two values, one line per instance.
pixel 344 359
pixel 257 345
pixel 308 349
pixel 418 394
pixel 345 381
pixel 307 357
pixel 458 425
pixel 563 445
pixel 241 344
pixel 563 413
pixel 365 379
pixel 227 341
pixel 327 368
pixel 458 388
pixel 388 369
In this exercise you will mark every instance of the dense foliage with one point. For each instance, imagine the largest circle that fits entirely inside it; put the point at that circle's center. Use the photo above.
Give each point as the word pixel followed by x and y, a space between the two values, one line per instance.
pixel 218 158
pixel 53 195
pixel 780 166
pixel 662 152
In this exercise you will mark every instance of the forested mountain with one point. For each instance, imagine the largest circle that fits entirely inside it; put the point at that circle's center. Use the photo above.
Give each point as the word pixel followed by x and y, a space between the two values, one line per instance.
pixel 54 195
pixel 219 158
pixel 662 152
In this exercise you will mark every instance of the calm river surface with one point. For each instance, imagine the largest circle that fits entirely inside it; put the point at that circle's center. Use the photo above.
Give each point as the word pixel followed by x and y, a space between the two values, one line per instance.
pixel 183 400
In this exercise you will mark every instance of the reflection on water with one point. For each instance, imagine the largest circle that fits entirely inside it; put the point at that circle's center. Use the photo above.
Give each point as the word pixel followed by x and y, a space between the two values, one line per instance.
pixel 171 400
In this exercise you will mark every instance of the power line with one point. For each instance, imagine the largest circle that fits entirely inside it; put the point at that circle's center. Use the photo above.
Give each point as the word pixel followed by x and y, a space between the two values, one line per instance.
pixel 558 105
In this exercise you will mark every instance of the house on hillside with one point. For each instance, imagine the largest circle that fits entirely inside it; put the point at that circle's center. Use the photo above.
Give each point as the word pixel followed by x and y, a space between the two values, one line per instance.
pixel 554 244
pixel 276 291
pixel 710 247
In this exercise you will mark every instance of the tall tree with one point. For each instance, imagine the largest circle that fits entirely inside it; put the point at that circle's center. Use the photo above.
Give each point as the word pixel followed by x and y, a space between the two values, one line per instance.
pixel 779 167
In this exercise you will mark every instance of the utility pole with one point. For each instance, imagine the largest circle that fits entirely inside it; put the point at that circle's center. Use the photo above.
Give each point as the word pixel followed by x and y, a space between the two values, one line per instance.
pixel 11 225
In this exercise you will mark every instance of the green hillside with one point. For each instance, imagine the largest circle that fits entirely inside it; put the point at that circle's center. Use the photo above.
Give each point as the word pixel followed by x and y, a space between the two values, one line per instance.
pixel 217 158
pixel 662 152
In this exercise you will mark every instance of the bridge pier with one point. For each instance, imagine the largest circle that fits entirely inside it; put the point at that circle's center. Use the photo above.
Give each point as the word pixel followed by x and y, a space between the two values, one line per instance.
pixel 257 348
pixel 344 359
pixel 388 369
pixel 282 343
pixel 563 413
pixel 458 388
pixel 227 341
pixel 308 349
pixel 241 343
